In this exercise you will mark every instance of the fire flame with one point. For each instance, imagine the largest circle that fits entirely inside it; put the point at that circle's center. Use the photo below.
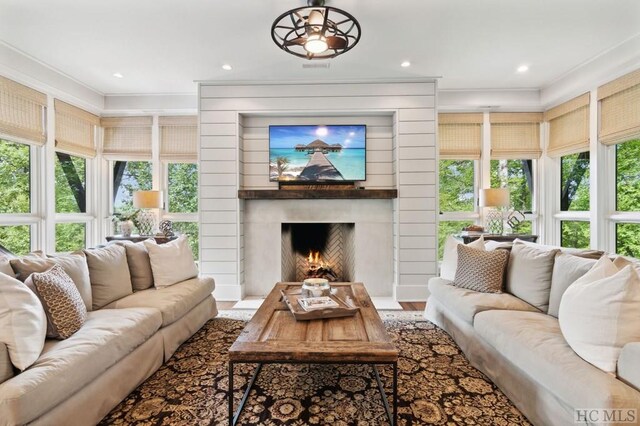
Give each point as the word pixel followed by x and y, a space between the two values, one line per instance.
pixel 314 258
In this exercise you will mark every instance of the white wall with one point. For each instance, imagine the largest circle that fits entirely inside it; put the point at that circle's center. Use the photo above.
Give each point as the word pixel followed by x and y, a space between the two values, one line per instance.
pixel 230 113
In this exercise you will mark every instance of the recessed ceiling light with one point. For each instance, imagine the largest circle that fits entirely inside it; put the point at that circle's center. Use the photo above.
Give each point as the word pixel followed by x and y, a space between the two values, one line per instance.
pixel 405 64
pixel 118 75
pixel 227 67
pixel 523 68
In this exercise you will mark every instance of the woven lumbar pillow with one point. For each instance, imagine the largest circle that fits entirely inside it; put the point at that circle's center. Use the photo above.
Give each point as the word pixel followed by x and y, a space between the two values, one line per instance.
pixel 599 313
pixel 63 305
pixel 481 270
pixel 172 262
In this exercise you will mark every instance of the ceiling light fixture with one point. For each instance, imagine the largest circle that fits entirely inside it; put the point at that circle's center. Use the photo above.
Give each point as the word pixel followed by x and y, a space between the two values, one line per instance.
pixel 523 68
pixel 118 75
pixel 227 67
pixel 405 64
pixel 316 31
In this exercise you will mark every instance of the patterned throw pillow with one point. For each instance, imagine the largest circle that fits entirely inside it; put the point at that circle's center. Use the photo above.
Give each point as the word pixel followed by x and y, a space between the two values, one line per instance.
pixel 480 270
pixel 63 305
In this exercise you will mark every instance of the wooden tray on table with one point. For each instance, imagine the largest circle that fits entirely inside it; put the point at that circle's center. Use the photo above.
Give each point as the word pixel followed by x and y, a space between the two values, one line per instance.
pixel 346 306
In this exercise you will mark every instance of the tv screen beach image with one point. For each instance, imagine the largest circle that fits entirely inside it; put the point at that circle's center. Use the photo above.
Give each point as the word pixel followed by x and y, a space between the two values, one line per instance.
pixel 317 153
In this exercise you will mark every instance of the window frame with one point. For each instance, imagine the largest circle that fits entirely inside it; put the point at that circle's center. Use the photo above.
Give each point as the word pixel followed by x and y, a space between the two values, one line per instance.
pixel 615 217
pixel 179 217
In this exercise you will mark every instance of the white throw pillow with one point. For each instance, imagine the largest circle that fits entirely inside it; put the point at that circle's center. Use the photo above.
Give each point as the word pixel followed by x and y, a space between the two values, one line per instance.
pixel 172 262
pixel 599 313
pixel 23 324
pixel 450 256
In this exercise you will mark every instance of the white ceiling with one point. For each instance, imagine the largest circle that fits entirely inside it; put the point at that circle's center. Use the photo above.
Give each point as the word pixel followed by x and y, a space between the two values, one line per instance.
pixel 162 46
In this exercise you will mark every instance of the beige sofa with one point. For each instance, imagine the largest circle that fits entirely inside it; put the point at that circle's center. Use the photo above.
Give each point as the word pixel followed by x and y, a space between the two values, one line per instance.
pixel 522 350
pixel 77 381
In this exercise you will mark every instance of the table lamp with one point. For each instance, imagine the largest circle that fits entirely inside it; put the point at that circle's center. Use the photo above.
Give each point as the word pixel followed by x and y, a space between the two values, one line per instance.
pixel 496 198
pixel 145 201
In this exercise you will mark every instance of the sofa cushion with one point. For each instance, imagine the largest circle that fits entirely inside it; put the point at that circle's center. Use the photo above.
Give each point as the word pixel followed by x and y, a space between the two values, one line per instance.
pixel 61 301
pixel 533 343
pixel 629 364
pixel 66 366
pixel 599 313
pixel 566 270
pixel 74 264
pixel 23 324
pixel 173 301
pixel 5 266
pixel 467 303
pixel 529 274
pixel 450 255
pixel 139 264
pixel 6 368
pixel 109 273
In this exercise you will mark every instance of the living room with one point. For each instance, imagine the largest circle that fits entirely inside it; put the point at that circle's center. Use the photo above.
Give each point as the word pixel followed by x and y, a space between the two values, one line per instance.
pixel 462 180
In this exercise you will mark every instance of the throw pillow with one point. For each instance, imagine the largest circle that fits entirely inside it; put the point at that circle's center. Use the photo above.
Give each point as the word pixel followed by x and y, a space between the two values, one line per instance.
pixel 5 266
pixel 599 313
pixel 567 268
pixel 74 264
pixel 449 263
pixel 529 274
pixel 139 264
pixel 109 274
pixel 172 262
pixel 63 305
pixel 23 324
pixel 586 253
pixel 480 270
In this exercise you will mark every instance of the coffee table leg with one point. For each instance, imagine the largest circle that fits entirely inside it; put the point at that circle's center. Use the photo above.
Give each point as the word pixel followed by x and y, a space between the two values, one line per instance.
pixel 231 422
pixel 233 417
pixel 395 393
pixel 384 396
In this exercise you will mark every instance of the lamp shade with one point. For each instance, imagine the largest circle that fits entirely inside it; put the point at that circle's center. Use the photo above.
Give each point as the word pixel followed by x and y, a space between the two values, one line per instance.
pixel 494 197
pixel 147 199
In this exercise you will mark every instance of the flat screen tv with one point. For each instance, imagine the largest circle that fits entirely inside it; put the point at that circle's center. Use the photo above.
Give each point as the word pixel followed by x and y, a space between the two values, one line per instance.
pixel 317 153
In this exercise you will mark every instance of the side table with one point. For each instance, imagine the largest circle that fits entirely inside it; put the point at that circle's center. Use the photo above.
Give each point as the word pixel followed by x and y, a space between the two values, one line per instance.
pixel 137 238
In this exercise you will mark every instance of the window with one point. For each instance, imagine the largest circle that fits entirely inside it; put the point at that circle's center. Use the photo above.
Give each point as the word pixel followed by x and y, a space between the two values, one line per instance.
pixel 575 234
pixel 70 236
pixel 70 173
pixel 517 175
pixel 446 228
pixel 190 229
pixel 129 176
pixel 16 238
pixel 15 177
pixel 628 196
pixel 457 183
pixel 574 194
pixel 183 188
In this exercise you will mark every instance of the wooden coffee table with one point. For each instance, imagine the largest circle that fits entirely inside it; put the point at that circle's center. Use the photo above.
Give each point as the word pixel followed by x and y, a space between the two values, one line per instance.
pixel 274 336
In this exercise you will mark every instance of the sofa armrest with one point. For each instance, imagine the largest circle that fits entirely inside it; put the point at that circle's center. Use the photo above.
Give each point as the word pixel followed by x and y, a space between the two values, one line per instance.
pixel 6 368
pixel 629 364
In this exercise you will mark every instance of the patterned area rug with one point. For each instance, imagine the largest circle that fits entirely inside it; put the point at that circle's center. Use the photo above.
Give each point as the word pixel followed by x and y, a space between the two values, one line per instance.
pixel 436 386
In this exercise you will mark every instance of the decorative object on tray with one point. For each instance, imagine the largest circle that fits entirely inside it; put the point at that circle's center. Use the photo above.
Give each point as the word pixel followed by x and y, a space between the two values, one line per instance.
pixel 166 227
pixel 315 303
pixel 315 287
pixel 346 307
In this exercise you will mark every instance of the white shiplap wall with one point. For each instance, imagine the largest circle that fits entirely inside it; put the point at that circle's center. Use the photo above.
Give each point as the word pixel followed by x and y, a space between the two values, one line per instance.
pixel 401 153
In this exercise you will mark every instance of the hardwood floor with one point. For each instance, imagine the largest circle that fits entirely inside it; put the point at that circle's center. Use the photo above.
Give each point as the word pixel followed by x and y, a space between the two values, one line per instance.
pixel 406 306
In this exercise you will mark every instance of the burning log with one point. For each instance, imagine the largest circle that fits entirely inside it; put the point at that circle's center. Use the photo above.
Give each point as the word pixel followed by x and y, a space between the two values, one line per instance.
pixel 318 269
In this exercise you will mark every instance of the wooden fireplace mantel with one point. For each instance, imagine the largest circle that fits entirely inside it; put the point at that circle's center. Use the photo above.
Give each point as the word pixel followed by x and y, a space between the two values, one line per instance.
pixel 316 194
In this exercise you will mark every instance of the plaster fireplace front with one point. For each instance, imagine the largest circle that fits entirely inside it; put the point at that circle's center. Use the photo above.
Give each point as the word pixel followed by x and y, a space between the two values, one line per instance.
pixel 365 226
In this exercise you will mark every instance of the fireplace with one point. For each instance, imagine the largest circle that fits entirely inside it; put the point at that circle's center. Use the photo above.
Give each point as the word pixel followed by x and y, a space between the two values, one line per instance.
pixel 318 250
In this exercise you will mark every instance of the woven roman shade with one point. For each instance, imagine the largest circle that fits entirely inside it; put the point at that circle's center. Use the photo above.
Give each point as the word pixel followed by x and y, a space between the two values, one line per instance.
pixel 22 112
pixel 127 137
pixel 620 109
pixel 75 130
pixel 515 135
pixel 460 136
pixel 179 138
pixel 568 127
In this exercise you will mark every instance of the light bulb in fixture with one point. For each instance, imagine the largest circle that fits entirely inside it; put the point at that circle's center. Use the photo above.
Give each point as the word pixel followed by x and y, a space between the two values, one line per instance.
pixel 405 64
pixel 316 43
pixel 523 68
pixel 118 75
pixel 227 67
